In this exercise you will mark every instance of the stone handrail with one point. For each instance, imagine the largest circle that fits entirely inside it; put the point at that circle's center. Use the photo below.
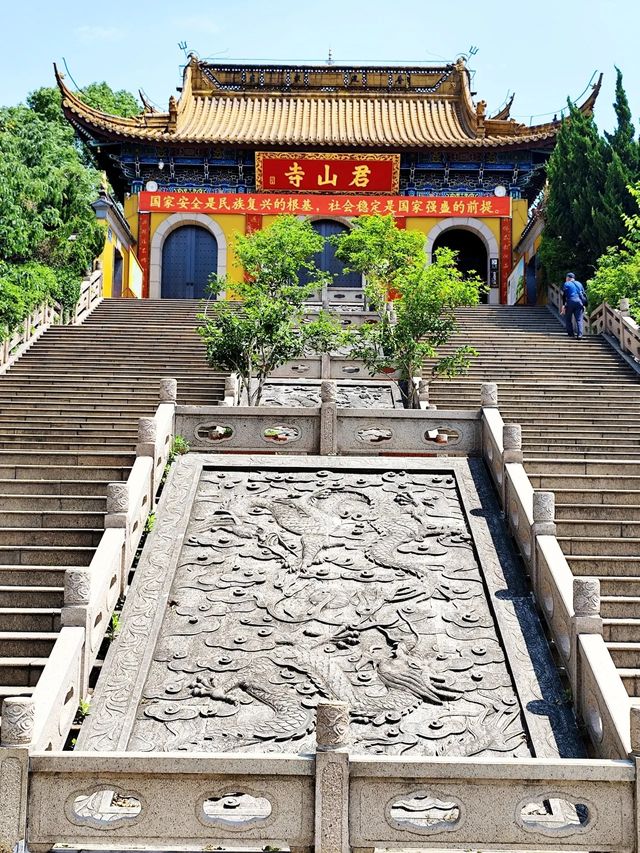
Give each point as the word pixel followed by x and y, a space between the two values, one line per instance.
pixel 90 297
pixel 571 606
pixel 606 320
pixel 329 430
pixel 91 592
pixel 45 315
pixel 333 801
pixel 31 328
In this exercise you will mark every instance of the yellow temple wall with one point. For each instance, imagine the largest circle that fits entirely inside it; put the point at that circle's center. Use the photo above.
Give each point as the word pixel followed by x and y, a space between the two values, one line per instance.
pixel 111 243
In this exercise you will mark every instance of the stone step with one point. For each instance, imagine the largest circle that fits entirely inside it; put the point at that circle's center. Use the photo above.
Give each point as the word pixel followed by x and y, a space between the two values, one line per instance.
pixel 594 451
pixel 631 680
pixel 53 503
pixel 573 466
pixel 63 488
pixel 621 630
pixel 43 555
pixel 62 472
pixel 20 672
pixel 595 546
pixel 26 644
pixel 51 519
pixel 619 606
pixel 597 512
pixel 586 565
pixel 620 586
pixel 607 529
pixel 613 498
pixel 60 537
pixel 71 446
pixel 13 595
pixel 40 619
pixel 592 482
pixel 33 575
pixel 625 655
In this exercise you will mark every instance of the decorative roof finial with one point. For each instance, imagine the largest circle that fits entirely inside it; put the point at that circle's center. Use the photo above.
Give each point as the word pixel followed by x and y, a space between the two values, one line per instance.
pixel 330 58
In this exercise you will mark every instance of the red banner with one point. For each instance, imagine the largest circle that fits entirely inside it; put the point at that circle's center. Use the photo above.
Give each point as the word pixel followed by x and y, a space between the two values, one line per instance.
pixel 506 258
pixel 144 228
pixel 325 205
pixel 322 173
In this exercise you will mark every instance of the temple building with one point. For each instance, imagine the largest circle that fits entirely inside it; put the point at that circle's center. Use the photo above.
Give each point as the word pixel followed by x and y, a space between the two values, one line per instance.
pixel 245 143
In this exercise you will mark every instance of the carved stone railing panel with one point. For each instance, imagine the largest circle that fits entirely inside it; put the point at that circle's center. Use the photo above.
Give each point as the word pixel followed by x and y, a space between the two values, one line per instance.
pixel 603 700
pixel 350 394
pixel 455 804
pixel 452 433
pixel 359 431
pixel 58 692
pixel 170 801
pixel 519 509
pixel 554 594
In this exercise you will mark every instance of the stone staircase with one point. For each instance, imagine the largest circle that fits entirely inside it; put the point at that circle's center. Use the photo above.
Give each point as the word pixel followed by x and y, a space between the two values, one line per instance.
pixel 68 426
pixel 579 406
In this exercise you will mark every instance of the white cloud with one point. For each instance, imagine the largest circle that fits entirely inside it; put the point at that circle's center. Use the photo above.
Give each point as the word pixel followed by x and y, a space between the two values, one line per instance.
pixel 91 33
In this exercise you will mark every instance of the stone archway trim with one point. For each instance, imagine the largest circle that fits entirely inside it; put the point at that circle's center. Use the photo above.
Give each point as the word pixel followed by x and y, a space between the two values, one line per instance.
pixel 468 224
pixel 177 220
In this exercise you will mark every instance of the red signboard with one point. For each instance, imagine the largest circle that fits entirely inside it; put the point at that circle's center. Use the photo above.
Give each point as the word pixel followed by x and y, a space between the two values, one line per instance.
pixel 332 173
pixel 325 205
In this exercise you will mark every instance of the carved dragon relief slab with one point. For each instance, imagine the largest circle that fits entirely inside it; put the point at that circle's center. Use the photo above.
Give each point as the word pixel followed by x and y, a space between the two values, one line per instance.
pixel 353 396
pixel 293 587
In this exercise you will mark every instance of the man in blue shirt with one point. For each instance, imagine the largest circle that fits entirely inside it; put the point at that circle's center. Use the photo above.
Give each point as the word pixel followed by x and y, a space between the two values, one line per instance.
pixel 574 299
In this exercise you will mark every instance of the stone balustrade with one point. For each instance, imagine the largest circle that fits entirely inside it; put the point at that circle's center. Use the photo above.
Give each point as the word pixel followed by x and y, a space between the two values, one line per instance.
pixel 600 698
pixel 616 323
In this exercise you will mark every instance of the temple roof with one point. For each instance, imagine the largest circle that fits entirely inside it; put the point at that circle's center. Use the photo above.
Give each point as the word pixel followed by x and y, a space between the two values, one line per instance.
pixel 402 107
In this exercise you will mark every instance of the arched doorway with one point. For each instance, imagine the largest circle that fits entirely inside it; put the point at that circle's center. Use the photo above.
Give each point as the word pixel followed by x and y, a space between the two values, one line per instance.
pixel 472 253
pixel 189 256
pixel 326 259
pixel 116 289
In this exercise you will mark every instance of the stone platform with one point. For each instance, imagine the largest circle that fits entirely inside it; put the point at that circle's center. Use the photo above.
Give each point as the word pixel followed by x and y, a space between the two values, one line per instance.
pixel 269 585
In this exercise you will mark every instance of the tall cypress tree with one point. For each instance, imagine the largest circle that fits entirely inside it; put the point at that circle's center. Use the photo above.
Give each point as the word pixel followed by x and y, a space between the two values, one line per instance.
pixel 588 176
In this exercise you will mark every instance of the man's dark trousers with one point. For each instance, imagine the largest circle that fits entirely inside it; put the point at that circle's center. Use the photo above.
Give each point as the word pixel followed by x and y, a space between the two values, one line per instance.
pixel 574 309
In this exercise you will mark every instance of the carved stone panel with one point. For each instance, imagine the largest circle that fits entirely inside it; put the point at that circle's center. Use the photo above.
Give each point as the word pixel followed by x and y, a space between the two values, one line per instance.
pixel 364 395
pixel 295 587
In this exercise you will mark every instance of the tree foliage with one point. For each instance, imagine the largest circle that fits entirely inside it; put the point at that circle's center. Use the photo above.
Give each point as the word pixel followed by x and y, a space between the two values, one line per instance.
pixel 421 319
pixel 617 273
pixel 49 235
pixel 266 328
pixel 587 197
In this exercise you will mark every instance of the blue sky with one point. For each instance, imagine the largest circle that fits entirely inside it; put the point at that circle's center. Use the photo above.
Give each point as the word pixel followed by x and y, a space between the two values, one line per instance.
pixel 544 50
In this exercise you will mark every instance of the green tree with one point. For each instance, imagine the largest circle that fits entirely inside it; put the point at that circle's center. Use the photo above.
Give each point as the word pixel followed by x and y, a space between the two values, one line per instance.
pixel 617 274
pixel 266 329
pixel 381 251
pixel 421 319
pixel 49 235
pixel 102 97
pixel 587 197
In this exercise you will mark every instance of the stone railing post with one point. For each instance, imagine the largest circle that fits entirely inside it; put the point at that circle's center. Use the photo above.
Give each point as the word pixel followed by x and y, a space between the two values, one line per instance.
pixel 168 390
pixel 489 395
pixel 511 453
pixel 18 720
pixel 635 745
pixel 332 778
pixel 544 524
pixel 328 417
pixel 423 394
pixel 586 620
pixel 14 776
pixel 624 308
pixel 147 434
pixel 325 365
pixel 231 390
